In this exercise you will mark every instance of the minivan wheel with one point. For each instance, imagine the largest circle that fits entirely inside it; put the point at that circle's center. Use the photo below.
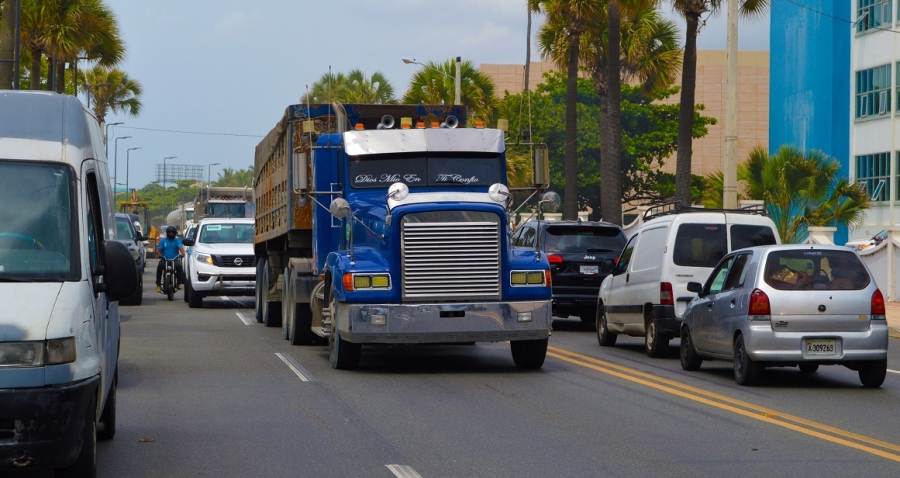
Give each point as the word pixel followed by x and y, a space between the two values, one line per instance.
pixel 690 360
pixel 872 374
pixel 86 463
pixel 655 342
pixel 746 371
pixel 808 367
pixel 604 337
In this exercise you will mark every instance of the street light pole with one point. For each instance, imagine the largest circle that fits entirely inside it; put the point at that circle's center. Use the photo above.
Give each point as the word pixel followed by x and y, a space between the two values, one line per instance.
pixel 127 168
pixel 457 80
pixel 164 182
pixel 116 163
pixel 208 172
pixel 106 138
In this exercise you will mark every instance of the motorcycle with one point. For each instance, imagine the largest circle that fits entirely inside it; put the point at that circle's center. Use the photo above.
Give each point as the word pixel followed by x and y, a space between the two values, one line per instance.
pixel 170 278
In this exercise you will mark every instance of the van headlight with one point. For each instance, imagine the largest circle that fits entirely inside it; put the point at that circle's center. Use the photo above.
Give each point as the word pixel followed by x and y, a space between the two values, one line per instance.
pixel 35 354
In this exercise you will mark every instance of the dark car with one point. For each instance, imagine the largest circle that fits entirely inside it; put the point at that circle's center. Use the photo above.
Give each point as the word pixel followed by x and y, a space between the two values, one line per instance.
pixel 127 234
pixel 581 255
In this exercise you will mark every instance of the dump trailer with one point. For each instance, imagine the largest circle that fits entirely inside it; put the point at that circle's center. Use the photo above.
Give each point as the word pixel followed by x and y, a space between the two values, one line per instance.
pixel 217 201
pixel 388 224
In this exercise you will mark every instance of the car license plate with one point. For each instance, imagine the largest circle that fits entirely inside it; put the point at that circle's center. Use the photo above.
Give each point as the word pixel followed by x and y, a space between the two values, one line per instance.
pixel 590 270
pixel 820 347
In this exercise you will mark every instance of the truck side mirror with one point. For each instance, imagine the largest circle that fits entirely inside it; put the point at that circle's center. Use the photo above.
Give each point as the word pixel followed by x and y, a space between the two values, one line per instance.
pixel 339 208
pixel 541 166
pixel 550 201
pixel 120 273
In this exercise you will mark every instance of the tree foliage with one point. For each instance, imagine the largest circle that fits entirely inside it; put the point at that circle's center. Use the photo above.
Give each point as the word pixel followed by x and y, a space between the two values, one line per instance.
pixel 235 177
pixel 353 87
pixel 111 90
pixel 435 84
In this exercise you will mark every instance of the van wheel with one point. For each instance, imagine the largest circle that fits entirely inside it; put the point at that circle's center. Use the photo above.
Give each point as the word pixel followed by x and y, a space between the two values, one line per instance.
pixel 656 343
pixel 690 360
pixel 746 371
pixel 604 337
pixel 872 374
pixel 808 367
pixel 86 463
pixel 529 354
pixel 108 417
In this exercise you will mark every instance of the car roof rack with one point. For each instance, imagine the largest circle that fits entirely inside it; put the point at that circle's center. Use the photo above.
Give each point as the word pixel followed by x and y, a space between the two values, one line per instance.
pixel 676 207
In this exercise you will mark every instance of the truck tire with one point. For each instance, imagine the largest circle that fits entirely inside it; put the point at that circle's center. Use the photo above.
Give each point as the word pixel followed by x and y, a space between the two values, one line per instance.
pixel 260 270
pixel 344 354
pixel 86 463
pixel 108 417
pixel 271 310
pixel 529 354
pixel 296 318
pixel 287 302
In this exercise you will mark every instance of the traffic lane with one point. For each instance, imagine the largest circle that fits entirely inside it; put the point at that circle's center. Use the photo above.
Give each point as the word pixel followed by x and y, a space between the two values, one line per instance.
pixel 833 395
pixel 200 392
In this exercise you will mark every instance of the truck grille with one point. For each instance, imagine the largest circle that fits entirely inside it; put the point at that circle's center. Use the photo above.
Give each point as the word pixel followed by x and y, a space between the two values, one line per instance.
pixel 451 260
pixel 235 261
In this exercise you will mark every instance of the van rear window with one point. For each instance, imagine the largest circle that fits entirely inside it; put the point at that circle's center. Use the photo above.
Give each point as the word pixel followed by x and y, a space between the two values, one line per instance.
pixel 699 245
pixel 805 269
pixel 748 235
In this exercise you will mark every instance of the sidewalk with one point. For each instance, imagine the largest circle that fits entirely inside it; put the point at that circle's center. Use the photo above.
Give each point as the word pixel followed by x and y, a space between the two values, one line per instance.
pixel 893 317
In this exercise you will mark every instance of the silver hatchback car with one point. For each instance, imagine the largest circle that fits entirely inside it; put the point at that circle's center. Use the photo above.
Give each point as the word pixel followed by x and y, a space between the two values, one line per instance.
pixel 785 306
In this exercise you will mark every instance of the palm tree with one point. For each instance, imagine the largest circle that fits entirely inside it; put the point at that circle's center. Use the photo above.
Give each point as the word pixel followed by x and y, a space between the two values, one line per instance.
pixel 559 39
pixel 799 190
pixel 111 90
pixel 611 146
pixel 692 10
pixel 358 88
pixel 324 91
pixel 435 83
pixel 7 42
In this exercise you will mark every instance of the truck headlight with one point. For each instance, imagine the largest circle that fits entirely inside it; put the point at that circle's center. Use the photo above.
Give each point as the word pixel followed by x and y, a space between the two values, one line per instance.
pixel 204 259
pixel 37 353
pixel 529 278
pixel 366 281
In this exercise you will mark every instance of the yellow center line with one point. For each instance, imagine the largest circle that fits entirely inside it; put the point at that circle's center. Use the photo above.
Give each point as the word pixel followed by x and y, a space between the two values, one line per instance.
pixel 730 404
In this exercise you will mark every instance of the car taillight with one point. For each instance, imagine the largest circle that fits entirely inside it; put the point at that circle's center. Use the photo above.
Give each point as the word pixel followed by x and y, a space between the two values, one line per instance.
pixel 554 259
pixel 878 305
pixel 666 297
pixel 759 305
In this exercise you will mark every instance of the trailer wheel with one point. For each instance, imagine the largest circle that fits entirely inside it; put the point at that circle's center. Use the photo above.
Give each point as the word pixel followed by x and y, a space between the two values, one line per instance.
pixel 297 316
pixel 529 354
pixel 271 311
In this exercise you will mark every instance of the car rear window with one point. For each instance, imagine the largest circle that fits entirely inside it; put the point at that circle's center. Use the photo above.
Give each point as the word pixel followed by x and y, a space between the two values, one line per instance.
pixel 584 239
pixel 806 269
pixel 699 245
pixel 749 235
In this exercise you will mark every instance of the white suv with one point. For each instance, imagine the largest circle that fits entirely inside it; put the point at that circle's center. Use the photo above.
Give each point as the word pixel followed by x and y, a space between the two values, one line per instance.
pixel 221 261
pixel 646 294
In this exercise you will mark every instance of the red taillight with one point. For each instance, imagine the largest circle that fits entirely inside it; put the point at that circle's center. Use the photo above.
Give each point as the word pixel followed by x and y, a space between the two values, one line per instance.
pixel 554 259
pixel 877 303
pixel 759 303
pixel 666 297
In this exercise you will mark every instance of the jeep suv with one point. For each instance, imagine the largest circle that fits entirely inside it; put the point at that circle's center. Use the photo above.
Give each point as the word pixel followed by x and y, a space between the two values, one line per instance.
pixel 576 251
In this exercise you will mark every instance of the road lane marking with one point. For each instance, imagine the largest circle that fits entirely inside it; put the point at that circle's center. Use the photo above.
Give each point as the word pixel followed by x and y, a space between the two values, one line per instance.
pixel 296 367
pixel 403 471
pixel 893 371
pixel 731 404
pixel 245 320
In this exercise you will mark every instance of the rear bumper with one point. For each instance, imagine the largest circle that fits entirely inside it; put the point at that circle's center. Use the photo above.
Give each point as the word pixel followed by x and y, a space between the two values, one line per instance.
pixel 765 345
pixel 574 304
pixel 439 323
pixel 43 426
pixel 666 321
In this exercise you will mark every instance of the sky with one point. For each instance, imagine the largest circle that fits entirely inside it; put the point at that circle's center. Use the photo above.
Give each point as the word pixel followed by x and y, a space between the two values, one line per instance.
pixel 231 67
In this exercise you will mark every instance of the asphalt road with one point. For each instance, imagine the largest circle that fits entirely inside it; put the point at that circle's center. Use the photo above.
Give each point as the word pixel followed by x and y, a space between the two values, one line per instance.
pixel 210 392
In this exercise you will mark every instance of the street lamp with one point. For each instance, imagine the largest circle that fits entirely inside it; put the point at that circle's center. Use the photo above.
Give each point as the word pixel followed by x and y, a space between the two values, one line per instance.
pixel 116 163
pixel 164 182
pixel 106 138
pixel 89 86
pixel 127 164
pixel 457 80
pixel 208 177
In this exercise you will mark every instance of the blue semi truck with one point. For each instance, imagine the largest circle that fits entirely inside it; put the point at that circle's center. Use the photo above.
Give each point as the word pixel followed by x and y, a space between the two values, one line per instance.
pixel 388 224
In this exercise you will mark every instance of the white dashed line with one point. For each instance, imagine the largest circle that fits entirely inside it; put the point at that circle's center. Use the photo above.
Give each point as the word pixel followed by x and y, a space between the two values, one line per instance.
pixel 245 320
pixel 296 368
pixel 403 471
pixel 893 371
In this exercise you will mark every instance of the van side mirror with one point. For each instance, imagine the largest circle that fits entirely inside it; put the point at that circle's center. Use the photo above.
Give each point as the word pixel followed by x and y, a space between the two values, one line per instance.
pixel 188 242
pixel 120 273
pixel 695 287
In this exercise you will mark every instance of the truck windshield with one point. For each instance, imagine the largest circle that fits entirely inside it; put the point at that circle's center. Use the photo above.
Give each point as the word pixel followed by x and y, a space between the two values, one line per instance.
pixel 37 243
pixel 226 209
pixel 416 170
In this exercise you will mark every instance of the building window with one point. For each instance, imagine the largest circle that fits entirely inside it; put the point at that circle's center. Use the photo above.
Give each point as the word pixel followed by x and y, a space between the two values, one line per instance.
pixel 873 91
pixel 873 174
pixel 873 14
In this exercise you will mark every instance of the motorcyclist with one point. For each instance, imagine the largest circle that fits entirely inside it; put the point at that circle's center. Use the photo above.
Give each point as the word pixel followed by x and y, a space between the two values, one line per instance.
pixel 169 247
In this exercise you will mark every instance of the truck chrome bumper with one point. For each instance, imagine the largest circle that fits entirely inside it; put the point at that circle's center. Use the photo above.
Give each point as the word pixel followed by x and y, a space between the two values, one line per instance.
pixel 441 323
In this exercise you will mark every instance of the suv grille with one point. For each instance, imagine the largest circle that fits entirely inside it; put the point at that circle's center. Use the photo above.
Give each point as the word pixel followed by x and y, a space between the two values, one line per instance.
pixel 451 260
pixel 235 261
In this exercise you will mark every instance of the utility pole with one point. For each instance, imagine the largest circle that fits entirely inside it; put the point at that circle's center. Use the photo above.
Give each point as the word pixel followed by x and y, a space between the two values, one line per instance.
pixel 729 169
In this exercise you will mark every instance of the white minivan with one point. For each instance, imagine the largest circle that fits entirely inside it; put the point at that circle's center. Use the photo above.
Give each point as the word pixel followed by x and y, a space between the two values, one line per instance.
pixel 646 294
pixel 61 275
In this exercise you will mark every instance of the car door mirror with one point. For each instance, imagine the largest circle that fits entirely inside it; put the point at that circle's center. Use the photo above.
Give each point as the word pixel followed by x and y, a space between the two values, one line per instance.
pixel 607 266
pixel 695 287
pixel 141 238
pixel 120 273
pixel 188 242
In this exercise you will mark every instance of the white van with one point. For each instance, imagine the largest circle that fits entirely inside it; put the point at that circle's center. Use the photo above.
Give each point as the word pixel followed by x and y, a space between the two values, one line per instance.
pixel 646 294
pixel 61 275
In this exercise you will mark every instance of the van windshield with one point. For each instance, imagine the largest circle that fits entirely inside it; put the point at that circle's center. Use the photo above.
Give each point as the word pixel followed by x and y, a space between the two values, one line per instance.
pixel 37 240
pixel 123 228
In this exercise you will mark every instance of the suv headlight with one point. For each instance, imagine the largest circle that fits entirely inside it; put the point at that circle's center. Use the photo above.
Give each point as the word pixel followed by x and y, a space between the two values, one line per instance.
pixel 35 354
pixel 205 259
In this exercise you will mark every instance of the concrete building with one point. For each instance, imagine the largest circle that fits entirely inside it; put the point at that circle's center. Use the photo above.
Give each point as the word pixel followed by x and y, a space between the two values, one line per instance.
pixel 753 113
